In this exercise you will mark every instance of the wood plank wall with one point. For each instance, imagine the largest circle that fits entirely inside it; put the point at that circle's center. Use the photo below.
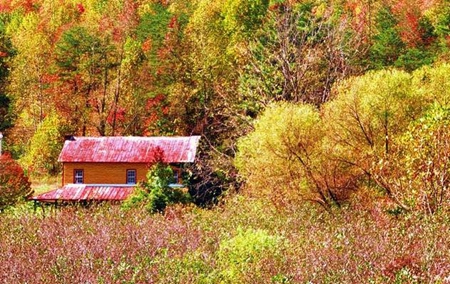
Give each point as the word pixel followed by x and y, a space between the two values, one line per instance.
pixel 105 173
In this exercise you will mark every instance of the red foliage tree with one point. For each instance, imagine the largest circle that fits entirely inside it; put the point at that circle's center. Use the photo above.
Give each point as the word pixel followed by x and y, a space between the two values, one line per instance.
pixel 14 185
pixel 410 13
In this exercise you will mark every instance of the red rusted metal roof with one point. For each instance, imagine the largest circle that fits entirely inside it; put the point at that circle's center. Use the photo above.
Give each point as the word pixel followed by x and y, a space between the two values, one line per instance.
pixel 84 192
pixel 129 149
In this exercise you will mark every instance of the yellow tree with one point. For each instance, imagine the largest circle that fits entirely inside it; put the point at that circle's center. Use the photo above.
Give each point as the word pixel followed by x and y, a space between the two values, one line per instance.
pixel 289 158
pixel 376 123
pixel 30 78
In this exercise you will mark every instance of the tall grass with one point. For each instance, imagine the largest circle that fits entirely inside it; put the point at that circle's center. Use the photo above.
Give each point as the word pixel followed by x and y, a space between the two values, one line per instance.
pixel 241 241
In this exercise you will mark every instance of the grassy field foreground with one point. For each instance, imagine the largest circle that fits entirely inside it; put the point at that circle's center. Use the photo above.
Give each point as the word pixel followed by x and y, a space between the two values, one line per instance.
pixel 242 241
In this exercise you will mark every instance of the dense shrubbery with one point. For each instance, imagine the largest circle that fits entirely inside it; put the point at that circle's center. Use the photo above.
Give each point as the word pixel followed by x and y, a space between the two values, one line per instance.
pixel 14 185
pixel 386 130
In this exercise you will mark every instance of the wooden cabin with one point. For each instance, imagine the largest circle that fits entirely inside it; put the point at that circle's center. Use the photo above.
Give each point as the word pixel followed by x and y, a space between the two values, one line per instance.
pixel 105 168
pixel 122 160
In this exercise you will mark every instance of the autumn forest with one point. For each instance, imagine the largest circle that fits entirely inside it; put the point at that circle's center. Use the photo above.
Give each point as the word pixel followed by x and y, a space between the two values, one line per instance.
pixel 325 140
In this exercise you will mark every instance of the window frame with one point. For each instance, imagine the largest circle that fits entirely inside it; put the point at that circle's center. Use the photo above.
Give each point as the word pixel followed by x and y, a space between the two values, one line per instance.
pixel 127 176
pixel 76 177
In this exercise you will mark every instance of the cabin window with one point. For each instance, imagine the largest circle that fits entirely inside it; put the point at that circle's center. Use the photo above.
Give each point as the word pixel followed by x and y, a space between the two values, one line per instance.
pixel 78 176
pixel 176 176
pixel 131 176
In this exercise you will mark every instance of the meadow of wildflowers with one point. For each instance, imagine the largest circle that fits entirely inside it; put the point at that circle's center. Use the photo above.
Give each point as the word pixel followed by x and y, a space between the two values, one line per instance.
pixel 241 241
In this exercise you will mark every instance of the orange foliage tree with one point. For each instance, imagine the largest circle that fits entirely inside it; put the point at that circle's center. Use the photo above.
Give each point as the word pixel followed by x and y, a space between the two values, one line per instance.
pixel 14 185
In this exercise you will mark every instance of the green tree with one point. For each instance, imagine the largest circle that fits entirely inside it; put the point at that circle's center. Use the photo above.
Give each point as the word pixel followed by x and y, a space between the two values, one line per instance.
pixel 387 45
pixel 156 193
